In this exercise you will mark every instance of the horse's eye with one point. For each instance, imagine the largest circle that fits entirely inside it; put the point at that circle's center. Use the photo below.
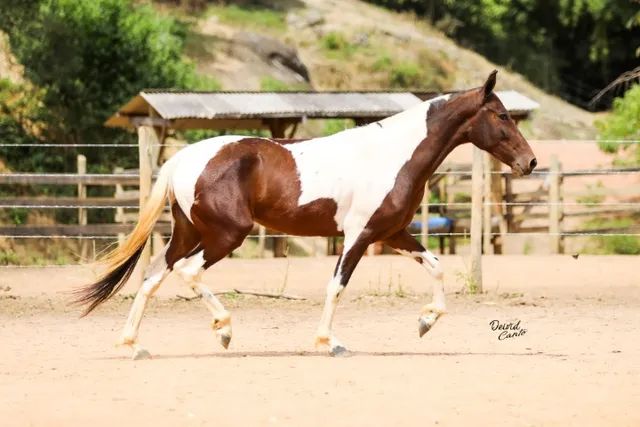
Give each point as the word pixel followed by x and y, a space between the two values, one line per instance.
pixel 503 116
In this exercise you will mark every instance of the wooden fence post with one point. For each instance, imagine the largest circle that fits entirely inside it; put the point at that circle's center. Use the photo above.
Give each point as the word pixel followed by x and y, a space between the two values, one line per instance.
pixel 424 218
pixel 262 231
pixel 555 209
pixel 82 213
pixel 497 194
pixel 475 283
pixel 486 205
pixel 508 199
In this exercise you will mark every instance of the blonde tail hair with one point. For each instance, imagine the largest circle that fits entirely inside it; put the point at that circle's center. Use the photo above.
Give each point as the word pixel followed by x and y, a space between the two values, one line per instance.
pixel 122 261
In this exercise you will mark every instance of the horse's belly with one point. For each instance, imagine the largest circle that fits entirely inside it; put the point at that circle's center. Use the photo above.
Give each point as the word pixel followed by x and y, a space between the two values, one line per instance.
pixel 316 218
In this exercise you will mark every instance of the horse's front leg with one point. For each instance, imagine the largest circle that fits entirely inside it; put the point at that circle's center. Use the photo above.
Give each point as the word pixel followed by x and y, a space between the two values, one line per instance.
pixel 404 243
pixel 353 250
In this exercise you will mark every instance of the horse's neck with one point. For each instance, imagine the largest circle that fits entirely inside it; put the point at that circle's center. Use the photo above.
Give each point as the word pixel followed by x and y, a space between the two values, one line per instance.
pixel 442 137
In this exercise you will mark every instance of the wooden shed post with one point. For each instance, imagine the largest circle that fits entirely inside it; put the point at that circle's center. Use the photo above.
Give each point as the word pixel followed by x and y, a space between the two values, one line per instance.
pixel 147 137
pixel 278 129
pixel 475 282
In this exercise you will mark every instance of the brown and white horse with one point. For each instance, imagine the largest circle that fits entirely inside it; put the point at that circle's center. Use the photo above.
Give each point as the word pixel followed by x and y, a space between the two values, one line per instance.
pixel 364 184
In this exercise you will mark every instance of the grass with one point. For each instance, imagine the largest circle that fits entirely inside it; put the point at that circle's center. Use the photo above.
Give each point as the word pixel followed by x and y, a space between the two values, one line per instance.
pixel 606 245
pixel 590 197
pixel 426 70
pixel 469 284
pixel 250 17
pixel 405 75
pixel 271 84
pixel 336 46
pixel 332 126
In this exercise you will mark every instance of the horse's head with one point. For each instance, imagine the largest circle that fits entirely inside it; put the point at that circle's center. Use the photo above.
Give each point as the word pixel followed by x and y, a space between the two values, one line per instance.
pixel 492 129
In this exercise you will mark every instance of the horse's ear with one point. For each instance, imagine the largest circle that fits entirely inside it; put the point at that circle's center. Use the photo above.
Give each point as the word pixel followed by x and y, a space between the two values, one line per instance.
pixel 489 85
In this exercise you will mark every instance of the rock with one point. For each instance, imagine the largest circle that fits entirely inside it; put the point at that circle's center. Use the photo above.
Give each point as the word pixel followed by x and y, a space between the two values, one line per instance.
pixel 304 19
pixel 273 51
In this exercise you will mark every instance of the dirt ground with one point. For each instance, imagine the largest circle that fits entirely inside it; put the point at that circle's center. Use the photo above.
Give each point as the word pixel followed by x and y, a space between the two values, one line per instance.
pixel 578 363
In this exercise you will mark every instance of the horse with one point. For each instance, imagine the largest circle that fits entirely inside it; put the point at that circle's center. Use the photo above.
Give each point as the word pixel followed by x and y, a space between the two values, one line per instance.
pixel 364 183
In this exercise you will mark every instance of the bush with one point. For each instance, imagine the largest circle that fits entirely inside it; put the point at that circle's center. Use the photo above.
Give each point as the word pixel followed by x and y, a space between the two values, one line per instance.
pixel 405 75
pixel 337 46
pixel 251 16
pixel 88 58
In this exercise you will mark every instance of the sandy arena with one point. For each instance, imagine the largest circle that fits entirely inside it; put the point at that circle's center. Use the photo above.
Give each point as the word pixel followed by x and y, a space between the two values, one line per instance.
pixel 578 363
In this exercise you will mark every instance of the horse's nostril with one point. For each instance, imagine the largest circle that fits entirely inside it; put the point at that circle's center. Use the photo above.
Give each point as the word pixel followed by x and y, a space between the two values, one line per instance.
pixel 533 164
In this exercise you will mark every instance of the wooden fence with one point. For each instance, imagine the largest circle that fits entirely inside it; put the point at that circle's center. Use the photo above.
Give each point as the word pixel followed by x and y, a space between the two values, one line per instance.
pixel 495 210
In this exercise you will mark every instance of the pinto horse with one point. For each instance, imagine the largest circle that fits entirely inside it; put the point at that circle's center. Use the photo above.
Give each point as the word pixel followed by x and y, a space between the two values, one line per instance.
pixel 364 184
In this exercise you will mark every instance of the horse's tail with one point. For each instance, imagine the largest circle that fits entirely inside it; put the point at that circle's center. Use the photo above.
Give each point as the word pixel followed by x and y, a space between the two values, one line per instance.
pixel 122 261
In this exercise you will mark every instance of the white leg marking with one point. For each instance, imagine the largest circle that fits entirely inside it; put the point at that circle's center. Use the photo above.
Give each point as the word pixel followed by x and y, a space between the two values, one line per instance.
pixel 324 335
pixel 154 275
pixel 432 311
pixel 190 269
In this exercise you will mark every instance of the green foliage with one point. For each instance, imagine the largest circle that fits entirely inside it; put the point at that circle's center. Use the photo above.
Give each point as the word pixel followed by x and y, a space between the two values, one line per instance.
pixel 88 58
pixel 570 47
pixel 382 63
pixel 253 16
pixel 18 215
pixel 405 75
pixel 429 72
pixel 271 84
pixel 8 257
pixel 620 245
pixel 336 45
pixel 622 123
pixel 332 126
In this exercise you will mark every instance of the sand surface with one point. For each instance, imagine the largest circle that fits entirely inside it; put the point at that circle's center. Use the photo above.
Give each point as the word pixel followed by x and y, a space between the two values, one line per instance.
pixel 578 363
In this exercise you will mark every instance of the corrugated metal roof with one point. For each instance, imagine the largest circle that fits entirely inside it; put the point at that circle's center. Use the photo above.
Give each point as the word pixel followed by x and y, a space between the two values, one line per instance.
pixel 515 102
pixel 174 105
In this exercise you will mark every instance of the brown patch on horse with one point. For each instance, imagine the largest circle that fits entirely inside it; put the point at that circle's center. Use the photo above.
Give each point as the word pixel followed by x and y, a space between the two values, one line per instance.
pixel 285 141
pixel 255 179
pixel 185 239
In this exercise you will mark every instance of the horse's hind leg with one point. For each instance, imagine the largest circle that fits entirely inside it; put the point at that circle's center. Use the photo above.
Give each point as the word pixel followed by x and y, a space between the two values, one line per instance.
pixel 154 274
pixel 184 239
pixel 191 269
pixel 217 242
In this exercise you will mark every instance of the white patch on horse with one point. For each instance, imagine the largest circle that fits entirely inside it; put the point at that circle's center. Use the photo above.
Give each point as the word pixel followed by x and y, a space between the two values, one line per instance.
pixel 358 167
pixel 191 162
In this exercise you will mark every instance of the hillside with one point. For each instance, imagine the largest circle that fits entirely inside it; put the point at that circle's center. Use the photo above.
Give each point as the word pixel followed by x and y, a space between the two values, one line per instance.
pixel 342 45
pixel 348 44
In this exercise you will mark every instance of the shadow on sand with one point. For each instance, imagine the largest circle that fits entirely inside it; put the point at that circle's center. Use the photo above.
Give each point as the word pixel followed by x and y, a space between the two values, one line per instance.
pixel 262 354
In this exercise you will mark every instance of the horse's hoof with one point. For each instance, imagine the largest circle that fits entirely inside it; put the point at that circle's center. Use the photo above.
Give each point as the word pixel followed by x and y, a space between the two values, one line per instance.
pixel 140 354
pixel 225 340
pixel 339 351
pixel 423 327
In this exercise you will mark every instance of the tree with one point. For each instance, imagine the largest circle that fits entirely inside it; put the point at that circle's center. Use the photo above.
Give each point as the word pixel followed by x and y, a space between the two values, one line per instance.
pixel 89 57
pixel 623 124
pixel 569 47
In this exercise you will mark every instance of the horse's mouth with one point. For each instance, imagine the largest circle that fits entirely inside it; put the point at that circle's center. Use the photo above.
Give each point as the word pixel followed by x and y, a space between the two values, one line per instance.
pixel 517 170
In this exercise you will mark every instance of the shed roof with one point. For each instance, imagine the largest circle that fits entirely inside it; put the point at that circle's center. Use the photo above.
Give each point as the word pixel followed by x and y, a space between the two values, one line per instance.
pixel 232 109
